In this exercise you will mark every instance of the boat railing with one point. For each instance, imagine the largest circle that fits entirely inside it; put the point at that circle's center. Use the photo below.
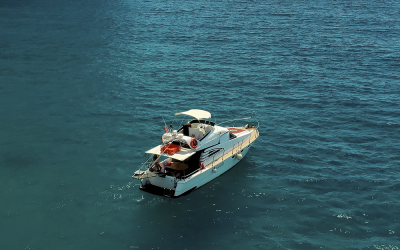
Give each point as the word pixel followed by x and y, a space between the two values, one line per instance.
pixel 219 154
pixel 235 148
pixel 224 154
pixel 146 164
pixel 234 120
pixel 188 175
pixel 253 117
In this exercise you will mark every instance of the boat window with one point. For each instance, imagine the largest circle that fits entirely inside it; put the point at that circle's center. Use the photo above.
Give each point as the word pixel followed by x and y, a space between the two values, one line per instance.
pixel 231 136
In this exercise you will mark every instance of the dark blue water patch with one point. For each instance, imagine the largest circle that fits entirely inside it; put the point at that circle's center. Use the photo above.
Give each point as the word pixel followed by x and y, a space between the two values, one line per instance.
pixel 15 160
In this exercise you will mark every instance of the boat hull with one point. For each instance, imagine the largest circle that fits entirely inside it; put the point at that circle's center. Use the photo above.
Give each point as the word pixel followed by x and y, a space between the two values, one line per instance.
pixel 172 187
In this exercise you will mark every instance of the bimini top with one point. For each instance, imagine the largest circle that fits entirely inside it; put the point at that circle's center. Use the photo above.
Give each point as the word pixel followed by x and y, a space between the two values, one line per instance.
pixel 196 113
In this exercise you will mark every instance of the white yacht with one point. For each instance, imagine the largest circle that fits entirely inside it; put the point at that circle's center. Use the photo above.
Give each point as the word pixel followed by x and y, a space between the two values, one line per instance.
pixel 196 153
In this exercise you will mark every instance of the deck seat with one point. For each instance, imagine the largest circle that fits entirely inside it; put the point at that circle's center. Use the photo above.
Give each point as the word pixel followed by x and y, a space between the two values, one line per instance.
pixel 196 132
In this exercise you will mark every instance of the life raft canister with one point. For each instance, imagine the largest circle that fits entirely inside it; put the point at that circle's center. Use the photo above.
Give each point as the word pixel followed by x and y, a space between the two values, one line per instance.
pixel 166 137
pixel 194 143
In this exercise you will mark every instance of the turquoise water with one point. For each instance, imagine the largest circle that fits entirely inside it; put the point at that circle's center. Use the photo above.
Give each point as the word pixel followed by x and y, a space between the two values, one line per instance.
pixel 84 86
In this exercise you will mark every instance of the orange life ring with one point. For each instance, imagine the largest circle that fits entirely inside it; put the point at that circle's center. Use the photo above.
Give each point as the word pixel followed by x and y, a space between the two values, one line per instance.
pixel 194 143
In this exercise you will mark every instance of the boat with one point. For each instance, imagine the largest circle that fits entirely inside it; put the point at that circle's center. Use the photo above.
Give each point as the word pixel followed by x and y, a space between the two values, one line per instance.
pixel 193 155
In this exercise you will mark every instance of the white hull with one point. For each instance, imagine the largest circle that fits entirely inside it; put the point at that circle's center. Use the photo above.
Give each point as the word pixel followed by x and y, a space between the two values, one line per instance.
pixel 207 175
pixel 175 187
pixel 195 154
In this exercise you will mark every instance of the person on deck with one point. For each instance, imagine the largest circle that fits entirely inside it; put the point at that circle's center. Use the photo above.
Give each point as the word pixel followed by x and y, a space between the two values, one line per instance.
pixel 186 128
pixel 163 165
pixel 156 165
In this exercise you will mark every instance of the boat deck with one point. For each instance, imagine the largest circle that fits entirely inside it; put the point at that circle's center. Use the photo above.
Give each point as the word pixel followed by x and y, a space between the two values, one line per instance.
pixel 254 135
pixel 244 143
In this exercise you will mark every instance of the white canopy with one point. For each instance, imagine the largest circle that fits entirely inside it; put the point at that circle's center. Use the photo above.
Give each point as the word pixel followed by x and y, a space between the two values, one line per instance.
pixel 196 113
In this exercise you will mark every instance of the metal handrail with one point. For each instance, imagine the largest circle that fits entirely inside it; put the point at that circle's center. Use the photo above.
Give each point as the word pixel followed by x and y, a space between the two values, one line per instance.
pixel 246 118
pixel 148 164
pixel 224 153
pixel 235 148
pixel 213 162
pixel 223 162
pixel 192 173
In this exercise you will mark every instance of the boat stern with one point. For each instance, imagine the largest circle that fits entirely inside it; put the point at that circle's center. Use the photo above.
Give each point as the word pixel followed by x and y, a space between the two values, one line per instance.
pixel 160 184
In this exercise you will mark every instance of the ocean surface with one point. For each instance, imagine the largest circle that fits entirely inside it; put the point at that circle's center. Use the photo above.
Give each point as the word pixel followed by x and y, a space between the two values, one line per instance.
pixel 85 85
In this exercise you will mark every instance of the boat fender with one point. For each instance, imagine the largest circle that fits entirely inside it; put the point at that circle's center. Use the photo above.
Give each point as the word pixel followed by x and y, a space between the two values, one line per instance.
pixel 202 165
pixel 239 156
pixel 214 170
pixel 194 143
